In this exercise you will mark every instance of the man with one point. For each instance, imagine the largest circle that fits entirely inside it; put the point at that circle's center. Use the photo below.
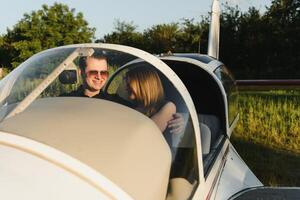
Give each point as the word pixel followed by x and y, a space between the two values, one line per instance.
pixel 94 72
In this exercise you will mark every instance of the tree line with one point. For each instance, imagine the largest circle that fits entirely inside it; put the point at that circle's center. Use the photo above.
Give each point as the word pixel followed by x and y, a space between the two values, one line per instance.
pixel 253 45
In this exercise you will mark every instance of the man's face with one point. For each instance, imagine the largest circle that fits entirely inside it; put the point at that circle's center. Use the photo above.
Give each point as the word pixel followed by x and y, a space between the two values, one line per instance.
pixel 96 73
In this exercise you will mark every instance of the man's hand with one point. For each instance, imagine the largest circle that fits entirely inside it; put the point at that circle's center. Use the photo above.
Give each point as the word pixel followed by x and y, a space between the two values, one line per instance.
pixel 176 125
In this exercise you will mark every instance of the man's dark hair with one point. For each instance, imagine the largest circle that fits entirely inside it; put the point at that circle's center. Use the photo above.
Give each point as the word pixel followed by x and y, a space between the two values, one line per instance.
pixel 82 60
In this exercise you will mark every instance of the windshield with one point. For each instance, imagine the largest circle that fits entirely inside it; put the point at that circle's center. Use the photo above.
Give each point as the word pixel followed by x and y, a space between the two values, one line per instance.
pixel 25 78
pixel 229 84
pixel 47 74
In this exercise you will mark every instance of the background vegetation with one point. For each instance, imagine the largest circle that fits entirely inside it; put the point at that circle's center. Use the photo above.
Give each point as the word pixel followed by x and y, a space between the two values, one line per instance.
pixel 49 27
pixel 268 135
pixel 253 45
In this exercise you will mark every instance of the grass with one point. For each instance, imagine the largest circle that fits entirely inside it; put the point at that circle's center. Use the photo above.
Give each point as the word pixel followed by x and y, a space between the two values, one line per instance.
pixel 272 167
pixel 268 135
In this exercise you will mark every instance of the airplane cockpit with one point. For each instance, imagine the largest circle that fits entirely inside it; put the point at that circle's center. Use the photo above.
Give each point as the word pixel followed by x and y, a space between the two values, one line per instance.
pixel 207 95
pixel 116 135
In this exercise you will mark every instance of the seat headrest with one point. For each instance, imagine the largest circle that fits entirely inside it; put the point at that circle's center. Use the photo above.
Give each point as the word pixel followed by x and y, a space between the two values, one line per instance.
pixel 68 77
pixel 205 138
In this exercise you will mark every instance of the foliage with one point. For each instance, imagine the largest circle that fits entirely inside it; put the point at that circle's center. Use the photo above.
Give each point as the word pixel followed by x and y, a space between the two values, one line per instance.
pixel 283 18
pixel 161 38
pixel 268 135
pixel 189 36
pixel 49 27
pixel 253 45
pixel 271 118
pixel 262 46
pixel 126 34
pixel 273 167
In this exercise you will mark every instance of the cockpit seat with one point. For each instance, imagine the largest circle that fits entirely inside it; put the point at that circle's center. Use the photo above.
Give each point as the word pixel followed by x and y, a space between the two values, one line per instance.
pixel 205 139
pixel 68 77
pixel 180 189
pixel 213 123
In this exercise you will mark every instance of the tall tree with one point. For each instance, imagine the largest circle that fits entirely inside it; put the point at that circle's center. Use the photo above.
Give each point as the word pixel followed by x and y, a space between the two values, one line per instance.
pixel 283 17
pixel 189 38
pixel 52 26
pixel 124 33
pixel 179 37
pixel 162 38
pixel 262 45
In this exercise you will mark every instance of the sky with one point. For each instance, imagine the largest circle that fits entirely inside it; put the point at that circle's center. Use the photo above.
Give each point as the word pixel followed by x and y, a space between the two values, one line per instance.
pixel 103 14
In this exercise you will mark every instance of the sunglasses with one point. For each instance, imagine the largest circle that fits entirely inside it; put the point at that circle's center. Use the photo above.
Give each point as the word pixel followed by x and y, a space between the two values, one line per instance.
pixel 103 73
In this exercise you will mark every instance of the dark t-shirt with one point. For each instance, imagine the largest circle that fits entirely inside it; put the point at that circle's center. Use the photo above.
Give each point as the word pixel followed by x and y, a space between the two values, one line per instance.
pixel 111 97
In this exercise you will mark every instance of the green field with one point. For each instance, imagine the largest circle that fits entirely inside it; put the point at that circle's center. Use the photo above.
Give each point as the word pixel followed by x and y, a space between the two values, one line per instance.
pixel 268 135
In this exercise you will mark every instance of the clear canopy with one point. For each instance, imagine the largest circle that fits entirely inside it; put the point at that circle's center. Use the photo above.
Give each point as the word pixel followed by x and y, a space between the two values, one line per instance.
pixel 126 79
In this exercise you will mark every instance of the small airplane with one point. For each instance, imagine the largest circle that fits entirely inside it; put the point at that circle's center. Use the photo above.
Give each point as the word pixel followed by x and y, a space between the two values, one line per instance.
pixel 54 146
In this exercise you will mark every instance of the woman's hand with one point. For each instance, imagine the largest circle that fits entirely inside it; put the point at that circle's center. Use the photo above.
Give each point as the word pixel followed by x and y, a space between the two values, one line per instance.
pixel 176 124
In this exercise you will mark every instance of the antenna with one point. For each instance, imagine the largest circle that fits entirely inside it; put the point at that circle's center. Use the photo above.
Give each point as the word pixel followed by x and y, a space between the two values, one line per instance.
pixel 214 30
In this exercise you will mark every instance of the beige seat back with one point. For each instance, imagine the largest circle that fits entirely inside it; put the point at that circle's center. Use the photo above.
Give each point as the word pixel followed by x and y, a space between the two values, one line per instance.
pixel 180 189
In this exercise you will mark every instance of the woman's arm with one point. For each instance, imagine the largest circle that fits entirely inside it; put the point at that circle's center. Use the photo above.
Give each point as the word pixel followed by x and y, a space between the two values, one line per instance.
pixel 164 115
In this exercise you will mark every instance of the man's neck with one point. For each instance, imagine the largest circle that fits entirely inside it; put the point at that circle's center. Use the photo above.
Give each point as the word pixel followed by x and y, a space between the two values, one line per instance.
pixel 91 93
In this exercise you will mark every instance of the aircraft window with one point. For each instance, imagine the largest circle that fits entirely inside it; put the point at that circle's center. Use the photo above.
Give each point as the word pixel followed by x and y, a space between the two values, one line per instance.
pixel 23 80
pixel 35 72
pixel 71 81
pixel 231 91
pixel 209 105
pixel 184 170
pixel 61 73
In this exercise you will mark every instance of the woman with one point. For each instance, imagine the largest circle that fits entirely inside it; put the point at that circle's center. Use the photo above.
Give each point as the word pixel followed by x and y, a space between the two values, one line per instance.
pixel 145 89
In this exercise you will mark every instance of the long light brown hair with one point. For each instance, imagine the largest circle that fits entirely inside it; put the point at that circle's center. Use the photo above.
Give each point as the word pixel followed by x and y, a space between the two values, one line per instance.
pixel 146 85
